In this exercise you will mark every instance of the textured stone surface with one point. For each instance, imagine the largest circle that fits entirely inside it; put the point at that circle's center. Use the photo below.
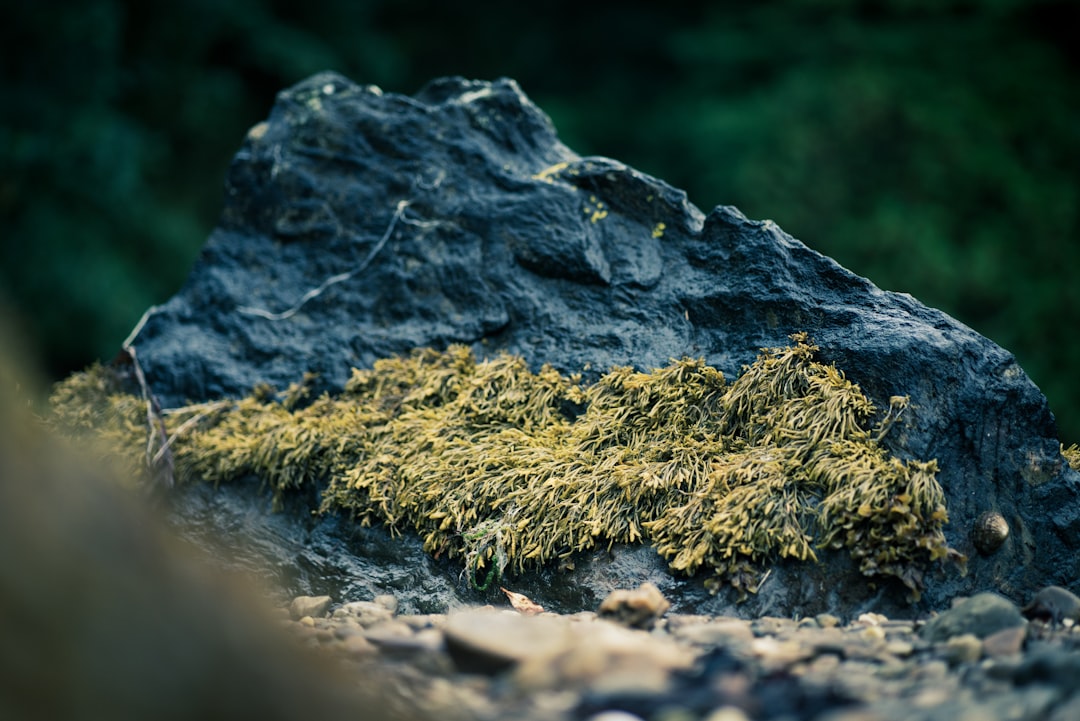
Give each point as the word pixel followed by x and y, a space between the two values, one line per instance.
pixel 359 224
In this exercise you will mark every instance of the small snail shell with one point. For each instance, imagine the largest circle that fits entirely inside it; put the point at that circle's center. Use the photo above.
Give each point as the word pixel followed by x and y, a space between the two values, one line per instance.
pixel 989 532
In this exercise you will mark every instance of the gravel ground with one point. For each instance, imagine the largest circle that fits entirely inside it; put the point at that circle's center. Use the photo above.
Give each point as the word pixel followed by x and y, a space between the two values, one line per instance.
pixel 983 659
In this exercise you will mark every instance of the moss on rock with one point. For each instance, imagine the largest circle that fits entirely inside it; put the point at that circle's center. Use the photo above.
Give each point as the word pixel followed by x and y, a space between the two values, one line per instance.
pixel 506 468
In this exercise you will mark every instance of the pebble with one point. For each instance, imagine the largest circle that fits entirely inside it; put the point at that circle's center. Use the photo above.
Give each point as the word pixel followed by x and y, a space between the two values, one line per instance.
pixel 313 606
pixel 981 615
pixel 723 632
pixel 489 640
pixel 640 608
pixel 1054 604
pixel 980 660
pixel 728 713
pixel 1006 642
pixel 965 648
pixel 366 613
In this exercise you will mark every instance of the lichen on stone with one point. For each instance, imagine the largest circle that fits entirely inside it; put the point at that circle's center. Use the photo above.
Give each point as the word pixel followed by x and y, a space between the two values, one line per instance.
pixel 506 468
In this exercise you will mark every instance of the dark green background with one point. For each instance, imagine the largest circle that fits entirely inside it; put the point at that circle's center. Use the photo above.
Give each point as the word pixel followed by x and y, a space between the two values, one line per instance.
pixel 932 146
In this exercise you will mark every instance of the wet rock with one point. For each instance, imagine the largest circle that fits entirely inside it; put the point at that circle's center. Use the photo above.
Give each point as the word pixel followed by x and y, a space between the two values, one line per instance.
pixel 981 615
pixel 360 224
pixel 640 608
pixel 313 606
pixel 1054 604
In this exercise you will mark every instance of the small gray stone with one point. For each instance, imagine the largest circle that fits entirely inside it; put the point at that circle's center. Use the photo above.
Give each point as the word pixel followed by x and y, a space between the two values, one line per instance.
pixel 421 621
pixel 715 633
pixel 344 631
pixel 1068 711
pixel 390 603
pixel 604 660
pixel 965 648
pixel 388 632
pixel 314 606
pixel 366 613
pixel 357 647
pixel 1051 665
pixel 490 641
pixel 981 615
pixel 640 608
pixel 1005 642
pixel 775 655
pixel 900 648
pixel 727 713
pixel 1054 604
pixel 614 716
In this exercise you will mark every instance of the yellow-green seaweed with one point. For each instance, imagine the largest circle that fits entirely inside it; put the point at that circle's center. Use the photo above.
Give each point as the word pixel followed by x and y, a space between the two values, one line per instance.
pixel 1072 456
pixel 506 468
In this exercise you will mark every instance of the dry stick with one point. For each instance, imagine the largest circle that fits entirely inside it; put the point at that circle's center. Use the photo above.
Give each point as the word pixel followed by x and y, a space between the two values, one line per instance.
pixel 155 423
pixel 154 420
pixel 334 279
pixel 189 423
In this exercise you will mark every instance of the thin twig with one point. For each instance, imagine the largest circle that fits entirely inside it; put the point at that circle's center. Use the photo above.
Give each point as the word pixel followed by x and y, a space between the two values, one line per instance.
pixel 334 279
pixel 189 423
pixel 154 422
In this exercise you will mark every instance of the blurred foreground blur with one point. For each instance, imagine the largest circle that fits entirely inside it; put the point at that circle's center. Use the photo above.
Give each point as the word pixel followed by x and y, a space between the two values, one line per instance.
pixel 104 616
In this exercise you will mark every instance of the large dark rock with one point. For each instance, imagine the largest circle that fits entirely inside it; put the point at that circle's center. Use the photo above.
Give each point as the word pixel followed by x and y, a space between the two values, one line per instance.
pixel 359 225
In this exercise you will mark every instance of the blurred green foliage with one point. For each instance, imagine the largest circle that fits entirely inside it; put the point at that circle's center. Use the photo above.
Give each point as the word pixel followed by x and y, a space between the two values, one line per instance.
pixel 930 145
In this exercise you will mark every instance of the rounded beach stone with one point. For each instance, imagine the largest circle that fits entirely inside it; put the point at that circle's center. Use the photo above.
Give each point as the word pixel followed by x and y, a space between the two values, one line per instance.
pixel 314 606
pixel 490 641
pixel 366 613
pixel 965 648
pixel 640 608
pixel 981 615
pixel 1054 604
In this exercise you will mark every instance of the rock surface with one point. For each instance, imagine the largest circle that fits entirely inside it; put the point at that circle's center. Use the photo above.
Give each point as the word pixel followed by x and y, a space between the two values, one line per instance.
pixel 359 224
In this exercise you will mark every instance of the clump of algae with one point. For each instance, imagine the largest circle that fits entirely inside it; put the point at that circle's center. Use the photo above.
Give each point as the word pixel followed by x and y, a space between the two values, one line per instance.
pixel 1072 456
pixel 506 468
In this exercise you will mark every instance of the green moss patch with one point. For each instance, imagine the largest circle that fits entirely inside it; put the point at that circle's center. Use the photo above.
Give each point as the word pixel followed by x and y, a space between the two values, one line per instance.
pixel 506 468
